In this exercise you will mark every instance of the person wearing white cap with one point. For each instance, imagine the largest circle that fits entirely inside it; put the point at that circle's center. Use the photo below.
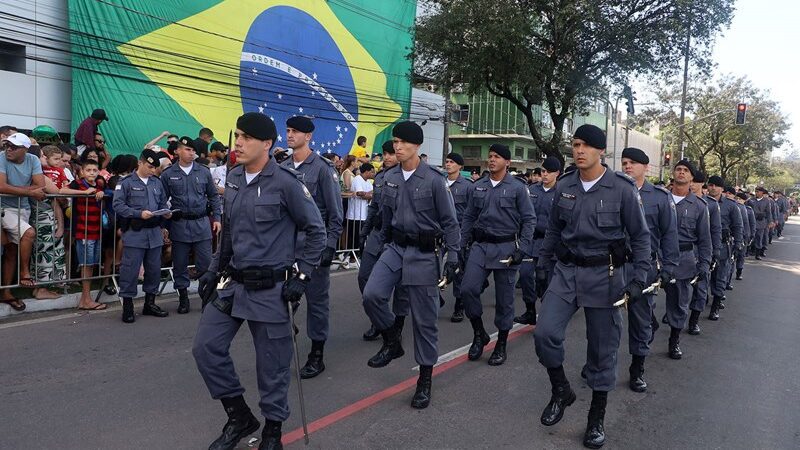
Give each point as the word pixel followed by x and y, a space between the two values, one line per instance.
pixel 21 176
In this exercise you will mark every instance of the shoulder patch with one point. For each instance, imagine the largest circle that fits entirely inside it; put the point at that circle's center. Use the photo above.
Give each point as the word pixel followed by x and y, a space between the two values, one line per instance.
pixel 566 174
pixel 326 160
pixel 295 173
pixel 625 177
pixel 703 200
pixel 305 191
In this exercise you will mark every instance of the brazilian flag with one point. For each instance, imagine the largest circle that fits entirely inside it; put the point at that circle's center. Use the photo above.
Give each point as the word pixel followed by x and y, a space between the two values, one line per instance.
pixel 180 65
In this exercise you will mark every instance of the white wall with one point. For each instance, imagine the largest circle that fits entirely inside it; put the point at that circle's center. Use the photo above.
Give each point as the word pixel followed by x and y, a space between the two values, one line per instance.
pixel 428 106
pixel 649 145
pixel 42 95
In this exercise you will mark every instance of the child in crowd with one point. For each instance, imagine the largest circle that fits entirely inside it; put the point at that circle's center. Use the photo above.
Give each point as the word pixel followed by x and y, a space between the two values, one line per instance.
pixel 48 263
pixel 87 218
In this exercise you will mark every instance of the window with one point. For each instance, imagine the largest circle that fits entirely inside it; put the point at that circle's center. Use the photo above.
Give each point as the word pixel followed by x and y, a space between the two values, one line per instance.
pixel 471 151
pixel 519 153
pixel 533 155
pixel 463 113
pixel 12 57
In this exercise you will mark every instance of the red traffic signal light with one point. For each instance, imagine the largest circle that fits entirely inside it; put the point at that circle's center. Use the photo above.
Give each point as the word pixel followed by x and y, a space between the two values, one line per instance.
pixel 741 111
pixel 667 159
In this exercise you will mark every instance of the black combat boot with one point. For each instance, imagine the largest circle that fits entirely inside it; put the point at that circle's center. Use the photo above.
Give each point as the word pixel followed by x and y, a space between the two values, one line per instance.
pixel 480 340
pixel 241 423
pixel 422 396
pixel 722 299
pixel 183 301
pixel 399 323
pixel 372 334
pixel 637 383
pixel 150 308
pixel 314 366
pixel 499 354
pixel 674 341
pixel 391 349
pixel 563 396
pixel 595 435
pixel 738 274
pixel 529 316
pixel 127 310
pixel 714 314
pixel 458 312
pixel 694 328
pixel 271 436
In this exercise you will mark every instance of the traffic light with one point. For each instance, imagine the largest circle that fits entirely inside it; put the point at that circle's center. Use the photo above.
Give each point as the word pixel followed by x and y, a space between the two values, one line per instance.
pixel 741 111
pixel 628 94
pixel 667 159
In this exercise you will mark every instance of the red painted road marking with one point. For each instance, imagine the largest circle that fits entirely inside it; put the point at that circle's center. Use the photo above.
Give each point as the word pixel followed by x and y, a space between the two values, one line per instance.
pixel 364 403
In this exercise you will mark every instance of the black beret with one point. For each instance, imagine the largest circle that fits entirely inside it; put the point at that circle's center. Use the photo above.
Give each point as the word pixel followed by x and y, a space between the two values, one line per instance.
pixel 366 167
pixel 692 170
pixel 537 171
pixel 742 195
pixel 257 125
pixel 570 168
pixel 151 157
pixel 217 146
pixel 730 190
pixel 186 141
pixel 592 135
pixel 300 123
pixel 551 164
pixel 388 147
pixel 636 155
pixel 501 150
pixel 458 159
pixel 409 132
pixel 762 189
pixel 716 180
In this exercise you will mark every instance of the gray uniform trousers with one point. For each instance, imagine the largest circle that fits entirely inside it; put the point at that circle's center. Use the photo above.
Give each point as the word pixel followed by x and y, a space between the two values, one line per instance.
pixel 527 281
pixel 740 257
pixel 132 259
pixel 700 294
pixel 180 260
pixel 640 311
pixel 475 273
pixel 762 238
pixel 273 345
pixel 679 295
pixel 719 277
pixel 400 305
pixel 603 334
pixel 318 299
pixel 422 299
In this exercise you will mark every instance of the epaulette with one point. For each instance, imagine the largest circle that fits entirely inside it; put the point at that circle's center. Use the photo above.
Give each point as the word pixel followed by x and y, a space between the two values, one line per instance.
pixel 438 170
pixel 327 161
pixel 662 189
pixel 702 200
pixel 625 177
pixel 566 174
pixel 294 173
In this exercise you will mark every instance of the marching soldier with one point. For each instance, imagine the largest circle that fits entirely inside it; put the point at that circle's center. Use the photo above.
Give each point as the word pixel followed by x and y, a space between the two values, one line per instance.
pixel 266 210
pixel 659 211
pixel 417 213
pixel 701 286
pixel 773 207
pixel 694 243
pixel 321 179
pixel 595 210
pixel 461 190
pixel 761 211
pixel 542 199
pixel 373 245
pixel 738 263
pixel 191 190
pixel 783 211
pixel 498 225
pixel 137 197
pixel 731 226
pixel 744 198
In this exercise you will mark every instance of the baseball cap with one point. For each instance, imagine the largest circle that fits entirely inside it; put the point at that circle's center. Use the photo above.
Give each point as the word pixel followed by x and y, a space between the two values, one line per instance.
pixel 99 114
pixel 19 140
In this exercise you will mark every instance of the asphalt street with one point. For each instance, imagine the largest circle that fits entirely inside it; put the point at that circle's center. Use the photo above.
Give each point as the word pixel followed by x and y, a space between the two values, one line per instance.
pixel 88 381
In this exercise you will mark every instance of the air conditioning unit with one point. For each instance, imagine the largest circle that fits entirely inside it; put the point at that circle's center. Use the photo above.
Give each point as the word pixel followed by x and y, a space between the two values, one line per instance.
pixel 431 88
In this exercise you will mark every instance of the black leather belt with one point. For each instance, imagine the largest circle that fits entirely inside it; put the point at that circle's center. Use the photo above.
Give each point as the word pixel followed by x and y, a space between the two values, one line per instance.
pixel 193 216
pixel 686 246
pixel 495 239
pixel 583 261
pixel 259 277
pixel 424 241
pixel 538 234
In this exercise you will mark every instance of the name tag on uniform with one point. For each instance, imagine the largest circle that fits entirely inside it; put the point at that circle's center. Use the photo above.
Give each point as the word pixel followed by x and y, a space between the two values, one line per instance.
pixel 568 195
pixel 390 184
pixel 175 178
pixel 480 189
pixel 137 188
pixel 228 184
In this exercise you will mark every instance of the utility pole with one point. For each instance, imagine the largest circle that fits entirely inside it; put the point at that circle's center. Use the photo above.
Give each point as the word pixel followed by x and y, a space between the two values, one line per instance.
pixel 446 121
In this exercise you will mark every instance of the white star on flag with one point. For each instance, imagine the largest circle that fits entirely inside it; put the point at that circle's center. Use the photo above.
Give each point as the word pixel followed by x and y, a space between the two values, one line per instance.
pixel 345 129
pixel 341 135
pixel 314 75
pixel 338 141
pixel 261 109
pixel 318 152
pixel 280 96
pixel 322 145
pixel 300 109
pixel 338 128
pixel 329 144
pixel 280 139
pixel 313 143
pixel 313 93
pixel 272 118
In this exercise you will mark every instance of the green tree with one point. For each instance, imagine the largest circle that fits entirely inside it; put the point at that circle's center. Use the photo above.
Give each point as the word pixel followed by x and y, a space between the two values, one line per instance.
pixel 558 54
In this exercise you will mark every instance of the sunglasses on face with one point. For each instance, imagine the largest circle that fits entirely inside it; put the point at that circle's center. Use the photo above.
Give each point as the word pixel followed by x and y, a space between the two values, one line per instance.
pixel 10 147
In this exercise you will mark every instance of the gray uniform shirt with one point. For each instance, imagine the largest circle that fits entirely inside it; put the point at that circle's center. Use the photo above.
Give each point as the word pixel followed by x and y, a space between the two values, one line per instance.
pixel 321 179
pixel 587 223
pixel 131 197
pixel 746 230
pixel 542 204
pixel 461 190
pixel 693 228
pixel 191 194
pixel 761 212
pixel 502 210
pixel 715 225
pixel 659 211
pixel 730 220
